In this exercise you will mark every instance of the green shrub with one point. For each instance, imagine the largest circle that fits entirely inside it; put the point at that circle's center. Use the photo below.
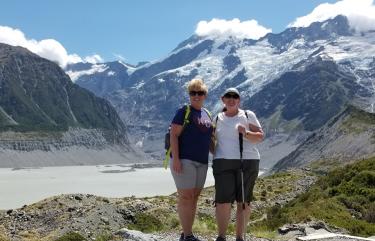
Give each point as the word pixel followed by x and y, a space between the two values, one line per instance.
pixel 3 238
pixel 146 223
pixel 370 214
pixel 355 202
pixel 104 237
pixel 336 198
pixel 174 222
pixel 205 223
pixel 365 179
pixel 71 236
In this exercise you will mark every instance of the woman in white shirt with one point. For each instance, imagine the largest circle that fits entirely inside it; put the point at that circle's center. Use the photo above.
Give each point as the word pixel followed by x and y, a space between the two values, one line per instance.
pixel 227 163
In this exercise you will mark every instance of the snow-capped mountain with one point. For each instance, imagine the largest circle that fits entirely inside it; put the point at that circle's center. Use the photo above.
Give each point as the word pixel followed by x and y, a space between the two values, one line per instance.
pixel 318 69
pixel 100 78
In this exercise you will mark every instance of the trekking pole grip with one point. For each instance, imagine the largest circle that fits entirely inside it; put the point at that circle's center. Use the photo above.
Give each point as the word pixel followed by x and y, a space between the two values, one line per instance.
pixel 240 138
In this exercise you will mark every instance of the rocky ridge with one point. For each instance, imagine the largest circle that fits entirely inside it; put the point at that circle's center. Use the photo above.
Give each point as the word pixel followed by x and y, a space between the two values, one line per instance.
pixel 345 137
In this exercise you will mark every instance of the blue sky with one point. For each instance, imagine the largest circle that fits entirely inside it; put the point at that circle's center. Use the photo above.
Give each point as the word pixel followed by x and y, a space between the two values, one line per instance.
pixel 139 30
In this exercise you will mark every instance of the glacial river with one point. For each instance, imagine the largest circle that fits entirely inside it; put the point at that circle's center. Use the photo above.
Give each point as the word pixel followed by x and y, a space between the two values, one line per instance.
pixel 26 186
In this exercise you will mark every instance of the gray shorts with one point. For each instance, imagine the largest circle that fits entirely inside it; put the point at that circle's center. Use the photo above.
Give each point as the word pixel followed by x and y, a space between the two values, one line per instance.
pixel 193 174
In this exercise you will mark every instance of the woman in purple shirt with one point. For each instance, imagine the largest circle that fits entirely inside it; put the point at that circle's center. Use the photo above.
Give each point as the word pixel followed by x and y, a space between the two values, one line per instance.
pixel 190 148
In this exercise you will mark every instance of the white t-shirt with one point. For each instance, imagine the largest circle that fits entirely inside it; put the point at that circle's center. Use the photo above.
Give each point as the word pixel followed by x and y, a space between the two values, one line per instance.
pixel 227 145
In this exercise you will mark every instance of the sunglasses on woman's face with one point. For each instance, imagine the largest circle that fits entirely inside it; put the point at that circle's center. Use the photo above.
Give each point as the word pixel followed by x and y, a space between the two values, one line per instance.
pixel 230 95
pixel 194 93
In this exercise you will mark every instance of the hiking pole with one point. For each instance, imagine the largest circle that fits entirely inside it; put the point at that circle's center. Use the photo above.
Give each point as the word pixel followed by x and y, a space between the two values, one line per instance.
pixel 240 137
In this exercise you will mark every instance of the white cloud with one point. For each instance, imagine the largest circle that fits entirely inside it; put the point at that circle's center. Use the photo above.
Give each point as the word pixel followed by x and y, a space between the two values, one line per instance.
pixel 47 48
pixel 220 27
pixel 94 59
pixel 360 13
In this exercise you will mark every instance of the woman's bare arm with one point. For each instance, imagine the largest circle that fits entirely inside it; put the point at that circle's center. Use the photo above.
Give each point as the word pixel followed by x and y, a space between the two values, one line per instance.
pixel 175 133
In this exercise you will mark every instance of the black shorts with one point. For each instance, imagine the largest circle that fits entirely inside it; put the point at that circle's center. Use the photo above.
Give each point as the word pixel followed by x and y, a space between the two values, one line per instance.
pixel 228 185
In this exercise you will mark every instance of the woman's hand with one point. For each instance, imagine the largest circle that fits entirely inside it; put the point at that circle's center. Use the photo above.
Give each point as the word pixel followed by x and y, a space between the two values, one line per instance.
pixel 241 129
pixel 255 135
pixel 177 166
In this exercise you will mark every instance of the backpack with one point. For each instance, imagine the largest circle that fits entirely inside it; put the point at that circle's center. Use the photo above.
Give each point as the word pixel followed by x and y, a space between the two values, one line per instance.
pixel 167 143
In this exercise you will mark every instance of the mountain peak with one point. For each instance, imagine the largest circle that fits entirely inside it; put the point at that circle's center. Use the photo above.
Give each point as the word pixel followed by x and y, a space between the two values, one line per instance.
pixel 192 40
pixel 331 28
pixel 336 26
pixel 38 95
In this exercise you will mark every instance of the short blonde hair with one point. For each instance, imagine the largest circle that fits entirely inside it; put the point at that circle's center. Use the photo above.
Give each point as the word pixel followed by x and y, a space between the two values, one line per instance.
pixel 197 84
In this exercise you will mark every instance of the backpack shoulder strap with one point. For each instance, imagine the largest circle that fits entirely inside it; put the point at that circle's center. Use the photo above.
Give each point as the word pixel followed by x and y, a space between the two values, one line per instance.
pixel 186 116
pixel 208 113
pixel 247 116
pixel 216 119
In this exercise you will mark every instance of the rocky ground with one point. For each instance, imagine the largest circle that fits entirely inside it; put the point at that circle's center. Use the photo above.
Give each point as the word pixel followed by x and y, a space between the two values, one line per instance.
pixel 94 217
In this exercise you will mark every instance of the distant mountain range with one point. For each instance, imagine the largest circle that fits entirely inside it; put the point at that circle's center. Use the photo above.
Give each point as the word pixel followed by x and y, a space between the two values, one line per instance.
pixel 41 109
pixel 295 81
